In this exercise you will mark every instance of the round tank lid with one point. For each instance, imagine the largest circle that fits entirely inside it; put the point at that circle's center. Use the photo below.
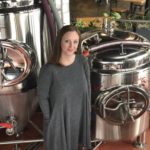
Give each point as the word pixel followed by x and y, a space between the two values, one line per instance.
pixel 15 62
pixel 122 104
pixel 121 56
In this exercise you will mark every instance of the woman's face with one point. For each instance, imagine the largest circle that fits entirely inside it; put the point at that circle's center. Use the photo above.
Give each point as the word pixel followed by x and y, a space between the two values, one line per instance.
pixel 69 43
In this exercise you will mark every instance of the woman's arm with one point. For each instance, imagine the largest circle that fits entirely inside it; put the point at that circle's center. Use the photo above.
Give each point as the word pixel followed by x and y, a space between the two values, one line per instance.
pixel 87 74
pixel 43 88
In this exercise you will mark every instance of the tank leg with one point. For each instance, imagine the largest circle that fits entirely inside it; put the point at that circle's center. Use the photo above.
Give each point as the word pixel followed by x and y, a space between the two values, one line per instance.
pixel 16 147
pixel 96 143
pixel 141 141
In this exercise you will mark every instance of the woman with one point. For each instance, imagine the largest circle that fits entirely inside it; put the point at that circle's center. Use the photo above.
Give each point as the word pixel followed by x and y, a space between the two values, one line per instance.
pixel 64 94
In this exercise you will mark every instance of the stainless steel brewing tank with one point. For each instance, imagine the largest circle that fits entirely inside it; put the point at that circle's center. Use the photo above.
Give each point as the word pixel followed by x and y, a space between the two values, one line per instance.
pixel 120 68
pixel 121 63
pixel 18 77
pixel 25 21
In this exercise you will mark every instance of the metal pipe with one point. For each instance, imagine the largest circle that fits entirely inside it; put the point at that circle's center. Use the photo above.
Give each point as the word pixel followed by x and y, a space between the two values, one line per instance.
pixel 21 141
pixel 36 127
pixel 114 43
pixel 33 146
pixel 141 141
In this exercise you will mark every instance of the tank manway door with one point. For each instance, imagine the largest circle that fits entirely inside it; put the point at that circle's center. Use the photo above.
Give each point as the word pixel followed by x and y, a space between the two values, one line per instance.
pixel 122 104
pixel 16 61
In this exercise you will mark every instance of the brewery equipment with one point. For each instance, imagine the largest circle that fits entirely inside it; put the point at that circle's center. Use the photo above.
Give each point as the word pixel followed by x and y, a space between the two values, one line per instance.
pixel 18 100
pixel 27 34
pixel 28 22
pixel 120 67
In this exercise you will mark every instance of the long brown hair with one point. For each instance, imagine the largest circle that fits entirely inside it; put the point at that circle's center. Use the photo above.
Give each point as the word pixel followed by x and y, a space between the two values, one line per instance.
pixel 57 47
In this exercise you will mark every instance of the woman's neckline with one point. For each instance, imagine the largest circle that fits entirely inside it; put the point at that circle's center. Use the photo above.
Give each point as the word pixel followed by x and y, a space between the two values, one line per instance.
pixel 69 64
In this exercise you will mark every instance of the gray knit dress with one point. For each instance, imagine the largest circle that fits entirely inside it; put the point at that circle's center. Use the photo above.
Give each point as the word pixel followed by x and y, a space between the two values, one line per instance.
pixel 64 97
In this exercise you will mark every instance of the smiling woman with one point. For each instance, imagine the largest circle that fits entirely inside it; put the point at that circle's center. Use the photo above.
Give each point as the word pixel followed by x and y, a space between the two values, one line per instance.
pixel 67 89
pixel 69 45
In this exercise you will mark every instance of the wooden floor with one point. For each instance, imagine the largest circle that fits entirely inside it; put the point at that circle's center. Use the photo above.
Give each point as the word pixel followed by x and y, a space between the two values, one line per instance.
pixel 30 134
pixel 124 145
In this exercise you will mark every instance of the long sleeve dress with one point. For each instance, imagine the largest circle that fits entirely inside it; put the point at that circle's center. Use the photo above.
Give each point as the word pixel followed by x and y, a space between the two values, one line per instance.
pixel 64 97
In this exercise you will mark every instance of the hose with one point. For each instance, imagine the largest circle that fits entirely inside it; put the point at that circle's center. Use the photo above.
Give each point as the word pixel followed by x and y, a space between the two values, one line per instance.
pixel 53 18
pixel 50 20
pixel 56 15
